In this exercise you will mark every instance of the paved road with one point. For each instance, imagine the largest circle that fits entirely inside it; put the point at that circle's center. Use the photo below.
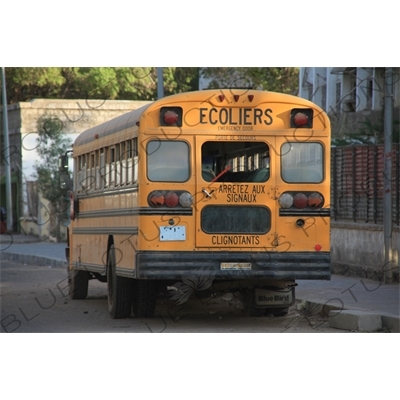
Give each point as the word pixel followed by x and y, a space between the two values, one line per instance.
pixel 35 299
pixel 341 292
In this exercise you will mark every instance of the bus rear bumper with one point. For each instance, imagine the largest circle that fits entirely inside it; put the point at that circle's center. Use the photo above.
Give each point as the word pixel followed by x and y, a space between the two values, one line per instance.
pixel 233 265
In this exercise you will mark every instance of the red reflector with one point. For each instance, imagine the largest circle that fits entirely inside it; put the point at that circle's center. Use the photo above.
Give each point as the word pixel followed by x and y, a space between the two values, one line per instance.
pixel 171 199
pixel 236 97
pixel 300 119
pixel 300 200
pixel 221 97
pixel 318 247
pixel 170 117
pixel 250 97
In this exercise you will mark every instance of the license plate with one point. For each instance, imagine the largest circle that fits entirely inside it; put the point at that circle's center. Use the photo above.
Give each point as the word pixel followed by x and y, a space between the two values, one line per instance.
pixel 171 233
pixel 265 297
pixel 235 266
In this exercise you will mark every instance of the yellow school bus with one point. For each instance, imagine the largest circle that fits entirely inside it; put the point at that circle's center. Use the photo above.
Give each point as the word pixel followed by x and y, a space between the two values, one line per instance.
pixel 231 187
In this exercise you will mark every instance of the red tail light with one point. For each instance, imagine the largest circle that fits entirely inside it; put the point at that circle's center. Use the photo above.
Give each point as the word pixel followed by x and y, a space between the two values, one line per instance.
pixel 300 200
pixel 169 198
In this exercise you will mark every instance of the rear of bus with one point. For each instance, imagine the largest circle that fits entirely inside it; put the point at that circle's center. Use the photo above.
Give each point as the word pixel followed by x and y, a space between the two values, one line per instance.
pixel 234 194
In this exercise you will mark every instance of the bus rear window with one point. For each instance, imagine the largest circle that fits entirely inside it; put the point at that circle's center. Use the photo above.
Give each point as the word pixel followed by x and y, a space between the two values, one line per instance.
pixel 167 161
pixel 302 162
pixel 235 161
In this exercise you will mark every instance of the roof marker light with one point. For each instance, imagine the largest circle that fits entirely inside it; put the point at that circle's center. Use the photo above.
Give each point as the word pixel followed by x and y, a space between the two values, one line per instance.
pixel 170 117
pixel 221 97
pixel 236 97
pixel 250 97
pixel 300 119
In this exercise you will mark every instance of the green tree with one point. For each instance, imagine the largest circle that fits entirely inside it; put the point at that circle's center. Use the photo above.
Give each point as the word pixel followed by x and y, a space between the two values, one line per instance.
pixel 106 83
pixel 276 79
pixel 51 142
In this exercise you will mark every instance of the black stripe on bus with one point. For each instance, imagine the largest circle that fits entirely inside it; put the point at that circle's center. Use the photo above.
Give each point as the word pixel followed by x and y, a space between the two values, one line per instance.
pixel 123 212
pixel 326 212
pixel 105 231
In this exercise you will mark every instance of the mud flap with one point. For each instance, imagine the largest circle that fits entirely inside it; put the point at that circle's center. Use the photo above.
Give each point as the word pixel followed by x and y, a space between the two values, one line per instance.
pixel 273 298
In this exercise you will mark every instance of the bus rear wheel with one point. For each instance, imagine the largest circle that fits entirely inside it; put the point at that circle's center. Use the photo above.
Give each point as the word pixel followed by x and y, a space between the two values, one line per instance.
pixel 78 282
pixel 144 298
pixel 119 290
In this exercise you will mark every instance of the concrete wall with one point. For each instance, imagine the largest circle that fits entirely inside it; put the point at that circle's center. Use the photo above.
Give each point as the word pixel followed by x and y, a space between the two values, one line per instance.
pixel 358 250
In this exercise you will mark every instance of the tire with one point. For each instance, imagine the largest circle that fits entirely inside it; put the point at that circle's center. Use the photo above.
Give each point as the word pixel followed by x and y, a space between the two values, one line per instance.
pixel 248 300
pixel 119 290
pixel 78 282
pixel 144 298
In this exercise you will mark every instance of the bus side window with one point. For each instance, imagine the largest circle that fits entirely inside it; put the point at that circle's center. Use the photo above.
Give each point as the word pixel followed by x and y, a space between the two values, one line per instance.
pixel 102 169
pixel 117 165
pixel 135 159
pixel 107 168
pixel 112 167
pixel 82 172
pixel 123 163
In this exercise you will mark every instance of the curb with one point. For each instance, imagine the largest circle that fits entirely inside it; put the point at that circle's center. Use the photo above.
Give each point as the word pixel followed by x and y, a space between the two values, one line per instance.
pixel 31 259
pixel 390 323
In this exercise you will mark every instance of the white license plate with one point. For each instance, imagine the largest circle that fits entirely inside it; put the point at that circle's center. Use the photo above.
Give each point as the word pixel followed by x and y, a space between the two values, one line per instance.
pixel 235 266
pixel 266 297
pixel 170 233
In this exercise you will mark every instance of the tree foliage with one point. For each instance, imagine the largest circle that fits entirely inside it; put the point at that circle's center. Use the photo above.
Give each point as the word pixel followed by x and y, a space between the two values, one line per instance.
pixel 124 83
pixel 137 83
pixel 279 79
pixel 51 143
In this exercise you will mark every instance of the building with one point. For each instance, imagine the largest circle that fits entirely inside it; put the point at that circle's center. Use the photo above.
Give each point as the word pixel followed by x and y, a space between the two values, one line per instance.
pixel 30 210
pixel 352 97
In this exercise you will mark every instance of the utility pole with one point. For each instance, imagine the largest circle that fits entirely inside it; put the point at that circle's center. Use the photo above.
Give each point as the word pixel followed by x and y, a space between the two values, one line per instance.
pixel 160 83
pixel 6 153
pixel 387 176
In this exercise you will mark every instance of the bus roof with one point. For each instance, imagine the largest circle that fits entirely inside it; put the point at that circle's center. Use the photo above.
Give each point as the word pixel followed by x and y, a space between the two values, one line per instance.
pixel 130 119
pixel 117 124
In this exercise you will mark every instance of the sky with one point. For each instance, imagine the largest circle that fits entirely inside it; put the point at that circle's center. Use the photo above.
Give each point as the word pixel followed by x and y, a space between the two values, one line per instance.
pixel 290 33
